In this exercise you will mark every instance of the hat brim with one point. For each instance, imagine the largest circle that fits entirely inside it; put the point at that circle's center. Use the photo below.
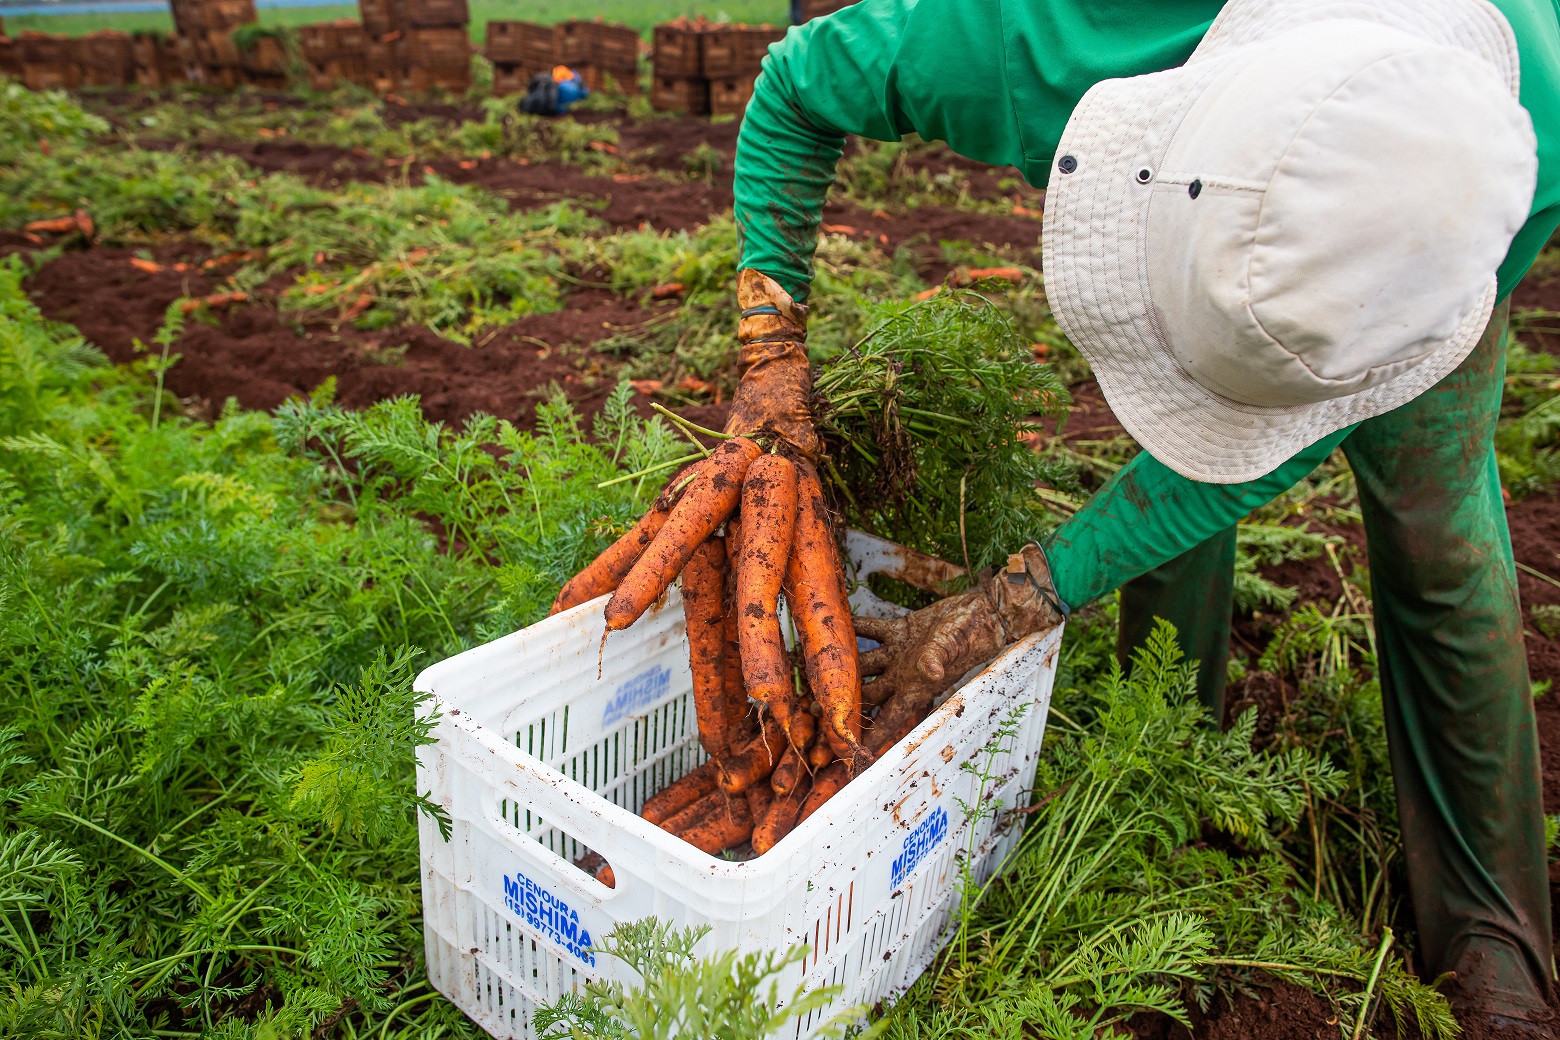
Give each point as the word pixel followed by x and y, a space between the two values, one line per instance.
pixel 1094 245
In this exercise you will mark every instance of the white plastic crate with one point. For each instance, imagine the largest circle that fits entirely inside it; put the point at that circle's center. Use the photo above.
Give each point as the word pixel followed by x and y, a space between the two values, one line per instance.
pixel 540 758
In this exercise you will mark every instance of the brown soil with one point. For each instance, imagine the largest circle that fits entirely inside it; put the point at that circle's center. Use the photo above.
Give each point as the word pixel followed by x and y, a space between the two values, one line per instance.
pixel 1273 1010
pixel 261 357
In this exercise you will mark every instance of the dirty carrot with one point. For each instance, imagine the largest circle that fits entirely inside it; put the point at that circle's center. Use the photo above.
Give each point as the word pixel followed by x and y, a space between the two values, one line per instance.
pixel 736 690
pixel 714 823
pixel 759 798
pixel 607 571
pixel 791 771
pixel 785 812
pixel 769 520
pixel 674 798
pixel 704 589
pixel 825 785
pixel 708 500
pixel 816 591
pixel 820 755
pixel 754 762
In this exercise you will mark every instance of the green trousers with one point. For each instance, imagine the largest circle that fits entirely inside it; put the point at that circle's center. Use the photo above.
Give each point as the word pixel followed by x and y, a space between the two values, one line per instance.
pixel 1459 708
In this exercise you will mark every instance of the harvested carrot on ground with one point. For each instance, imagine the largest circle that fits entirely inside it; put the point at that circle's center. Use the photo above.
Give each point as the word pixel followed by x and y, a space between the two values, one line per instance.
pixel 816 592
pixel 768 521
pixel 710 497
pixel 715 823
pixel 828 783
pixel 704 593
pixel 675 797
pixel 781 819
pixel 754 762
pixel 608 570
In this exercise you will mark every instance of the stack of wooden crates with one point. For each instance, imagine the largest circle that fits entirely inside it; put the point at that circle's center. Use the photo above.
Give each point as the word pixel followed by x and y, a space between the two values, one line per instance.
pixel 411 45
pixel 603 54
pixel 705 68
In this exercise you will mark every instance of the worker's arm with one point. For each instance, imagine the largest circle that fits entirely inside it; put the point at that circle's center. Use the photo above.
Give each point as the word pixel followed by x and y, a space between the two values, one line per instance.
pixel 869 70
pixel 995 79
pixel 1148 514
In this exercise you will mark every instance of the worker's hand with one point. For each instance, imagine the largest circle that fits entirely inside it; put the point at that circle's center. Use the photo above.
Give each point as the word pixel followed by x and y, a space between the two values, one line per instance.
pixel 926 652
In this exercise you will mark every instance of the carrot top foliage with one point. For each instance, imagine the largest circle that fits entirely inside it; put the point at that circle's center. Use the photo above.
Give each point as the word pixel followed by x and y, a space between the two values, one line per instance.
pixel 207 817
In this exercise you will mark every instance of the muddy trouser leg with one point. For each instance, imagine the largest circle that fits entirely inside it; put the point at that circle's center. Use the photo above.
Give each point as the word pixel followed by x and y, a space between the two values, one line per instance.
pixel 1454 680
pixel 1195 592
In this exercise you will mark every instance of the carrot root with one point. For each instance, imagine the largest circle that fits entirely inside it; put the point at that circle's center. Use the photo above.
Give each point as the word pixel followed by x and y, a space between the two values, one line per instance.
pixel 675 797
pixel 785 812
pixel 607 571
pixel 816 590
pixel 768 523
pixel 828 783
pixel 711 496
pixel 704 590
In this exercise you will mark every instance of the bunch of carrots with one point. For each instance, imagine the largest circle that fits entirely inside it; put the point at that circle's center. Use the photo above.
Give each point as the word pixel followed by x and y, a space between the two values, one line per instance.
pixel 742 527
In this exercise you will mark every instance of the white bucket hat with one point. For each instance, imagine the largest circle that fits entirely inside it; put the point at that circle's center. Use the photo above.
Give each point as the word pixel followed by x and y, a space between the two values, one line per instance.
pixel 1296 230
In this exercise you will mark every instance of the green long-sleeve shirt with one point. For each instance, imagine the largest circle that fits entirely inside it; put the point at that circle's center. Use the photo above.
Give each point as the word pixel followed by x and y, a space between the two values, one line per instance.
pixel 997 80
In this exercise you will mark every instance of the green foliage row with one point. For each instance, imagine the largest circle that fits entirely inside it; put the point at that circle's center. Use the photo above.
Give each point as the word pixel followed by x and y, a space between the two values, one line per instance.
pixel 207 819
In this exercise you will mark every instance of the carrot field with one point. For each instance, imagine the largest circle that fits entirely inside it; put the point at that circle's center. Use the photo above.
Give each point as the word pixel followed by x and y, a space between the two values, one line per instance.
pixel 320 389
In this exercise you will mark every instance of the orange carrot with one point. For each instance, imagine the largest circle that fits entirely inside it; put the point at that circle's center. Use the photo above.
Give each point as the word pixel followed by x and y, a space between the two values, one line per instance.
pixel 675 797
pixel 783 815
pixel 704 589
pixel 791 771
pixel 825 785
pixel 609 569
pixel 815 588
pixel 736 690
pixel 754 762
pixel 768 519
pixel 820 755
pixel 714 823
pixel 759 798
pixel 706 503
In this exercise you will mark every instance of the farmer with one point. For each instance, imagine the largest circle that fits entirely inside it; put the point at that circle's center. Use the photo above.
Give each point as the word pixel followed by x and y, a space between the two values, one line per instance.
pixel 1275 228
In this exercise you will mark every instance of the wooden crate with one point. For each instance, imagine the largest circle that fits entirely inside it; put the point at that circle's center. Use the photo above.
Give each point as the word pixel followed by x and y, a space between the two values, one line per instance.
pixel 215 48
pixel 379 17
pixel 596 77
pixel 512 77
pixel 734 51
pixel 730 96
pixel 107 59
pixel 419 78
pixel 677 50
pixel 266 57
pixel 434 46
pixel 680 94
pixel 318 42
pixel 10 58
pixel 47 49
pixel 522 43
pixel 194 16
pixel 431 14
pixel 350 37
pixel 161 60
pixel 383 74
pixel 811 9
pixel 607 45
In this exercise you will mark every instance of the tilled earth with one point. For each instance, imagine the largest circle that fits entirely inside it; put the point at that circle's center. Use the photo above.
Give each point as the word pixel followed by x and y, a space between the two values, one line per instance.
pixel 260 356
